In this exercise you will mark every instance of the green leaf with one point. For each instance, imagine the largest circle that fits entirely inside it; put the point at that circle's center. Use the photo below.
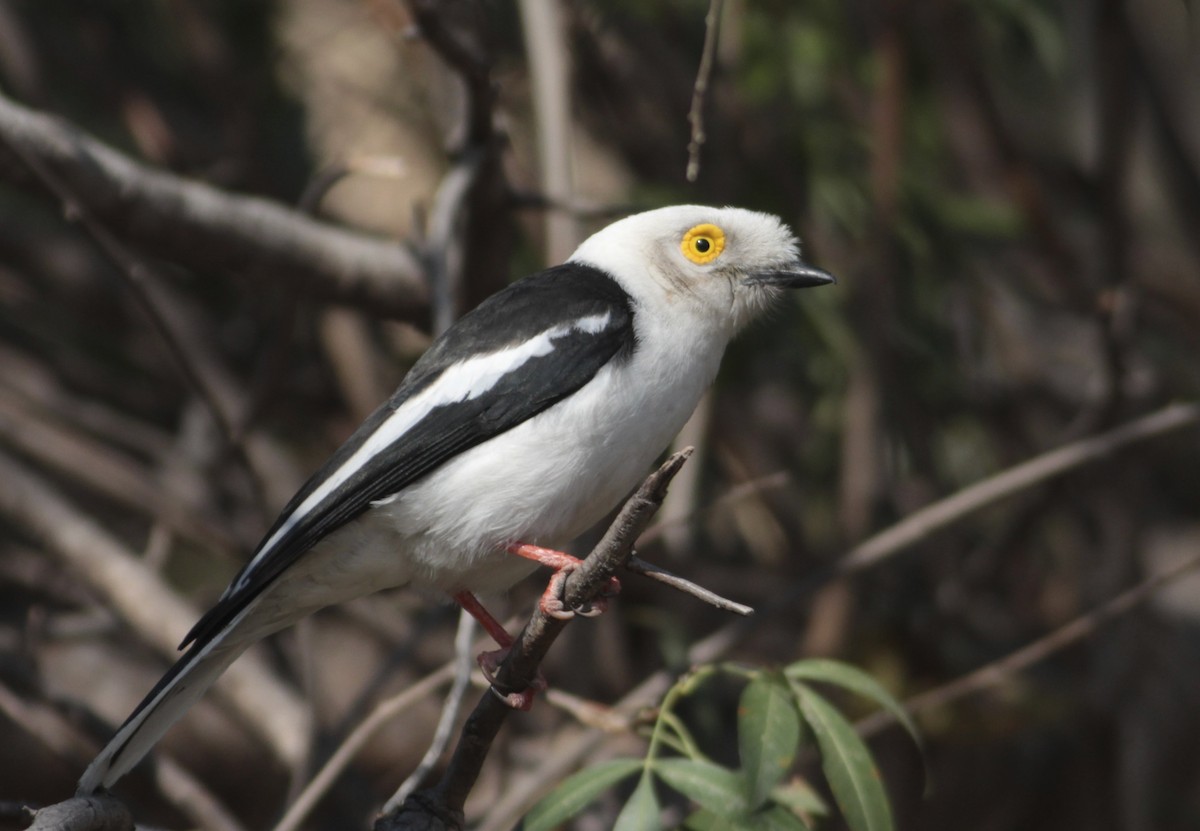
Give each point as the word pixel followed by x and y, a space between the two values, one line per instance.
pixel 768 734
pixel 775 818
pixel 848 766
pixel 576 791
pixel 704 820
pixel 642 810
pixel 800 798
pixel 778 818
pixel 710 786
pixel 855 680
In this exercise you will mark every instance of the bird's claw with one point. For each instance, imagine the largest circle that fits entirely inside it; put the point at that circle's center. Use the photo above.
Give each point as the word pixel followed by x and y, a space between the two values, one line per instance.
pixel 490 661
pixel 552 603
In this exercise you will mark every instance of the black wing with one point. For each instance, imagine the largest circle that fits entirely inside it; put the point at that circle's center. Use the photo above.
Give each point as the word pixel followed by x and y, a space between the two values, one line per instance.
pixel 590 319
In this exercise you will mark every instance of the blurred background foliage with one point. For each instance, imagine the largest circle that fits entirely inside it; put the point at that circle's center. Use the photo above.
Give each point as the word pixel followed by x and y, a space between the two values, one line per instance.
pixel 1009 192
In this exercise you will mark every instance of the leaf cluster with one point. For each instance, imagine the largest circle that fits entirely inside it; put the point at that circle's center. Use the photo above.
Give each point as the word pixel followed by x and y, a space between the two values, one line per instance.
pixel 779 713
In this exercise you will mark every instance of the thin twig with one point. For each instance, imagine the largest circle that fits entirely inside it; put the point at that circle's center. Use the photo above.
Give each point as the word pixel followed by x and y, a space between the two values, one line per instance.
pixel 100 468
pixel 442 249
pixel 932 518
pixel 547 46
pixel 461 47
pixel 156 613
pixel 191 797
pixel 639 566
pixel 740 491
pixel 459 33
pixel 64 738
pixel 384 712
pixel 1003 669
pixel 464 664
pixel 365 164
pixel 708 55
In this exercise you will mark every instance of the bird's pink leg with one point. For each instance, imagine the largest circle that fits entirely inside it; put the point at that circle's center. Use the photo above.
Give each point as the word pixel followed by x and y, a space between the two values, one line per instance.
pixel 563 564
pixel 489 661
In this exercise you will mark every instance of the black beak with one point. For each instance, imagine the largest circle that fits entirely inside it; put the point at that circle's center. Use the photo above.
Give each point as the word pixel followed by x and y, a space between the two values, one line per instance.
pixel 799 275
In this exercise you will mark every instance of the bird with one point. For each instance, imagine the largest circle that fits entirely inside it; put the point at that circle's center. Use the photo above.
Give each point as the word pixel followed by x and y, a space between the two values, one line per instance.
pixel 522 425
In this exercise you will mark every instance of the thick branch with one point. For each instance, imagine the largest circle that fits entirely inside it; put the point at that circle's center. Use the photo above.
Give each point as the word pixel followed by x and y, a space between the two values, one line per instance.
pixel 84 813
pixel 199 226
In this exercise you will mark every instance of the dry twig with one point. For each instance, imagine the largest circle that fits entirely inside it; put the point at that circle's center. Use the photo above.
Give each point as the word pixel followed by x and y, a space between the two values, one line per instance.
pixel 384 712
pixel 708 58
pixel 149 607
pixel 1003 669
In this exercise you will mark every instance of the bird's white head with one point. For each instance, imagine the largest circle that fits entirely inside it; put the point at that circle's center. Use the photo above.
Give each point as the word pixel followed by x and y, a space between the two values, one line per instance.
pixel 726 263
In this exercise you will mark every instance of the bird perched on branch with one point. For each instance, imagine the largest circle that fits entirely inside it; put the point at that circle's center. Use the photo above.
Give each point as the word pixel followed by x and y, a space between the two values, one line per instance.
pixel 520 427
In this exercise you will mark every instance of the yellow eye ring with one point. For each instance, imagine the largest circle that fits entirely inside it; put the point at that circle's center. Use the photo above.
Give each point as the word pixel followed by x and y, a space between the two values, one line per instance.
pixel 703 244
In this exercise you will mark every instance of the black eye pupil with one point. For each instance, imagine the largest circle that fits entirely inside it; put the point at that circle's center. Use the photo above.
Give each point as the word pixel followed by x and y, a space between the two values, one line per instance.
pixel 702 245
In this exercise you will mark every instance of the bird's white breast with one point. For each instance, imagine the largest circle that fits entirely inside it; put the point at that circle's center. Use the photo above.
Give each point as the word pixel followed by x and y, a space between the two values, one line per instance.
pixel 548 479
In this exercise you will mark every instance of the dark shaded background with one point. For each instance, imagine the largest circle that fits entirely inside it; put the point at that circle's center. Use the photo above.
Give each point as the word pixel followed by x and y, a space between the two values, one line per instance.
pixel 1008 190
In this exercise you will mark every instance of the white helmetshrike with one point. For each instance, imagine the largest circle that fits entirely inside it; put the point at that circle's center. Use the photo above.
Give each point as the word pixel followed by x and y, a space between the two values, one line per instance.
pixel 521 426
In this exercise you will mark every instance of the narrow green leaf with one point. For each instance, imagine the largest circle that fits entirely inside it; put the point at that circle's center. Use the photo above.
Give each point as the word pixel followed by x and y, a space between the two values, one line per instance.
pixel 768 734
pixel 775 818
pixel 778 818
pixel 800 798
pixel 855 680
pixel 704 820
pixel 710 786
pixel 848 766
pixel 642 810
pixel 576 791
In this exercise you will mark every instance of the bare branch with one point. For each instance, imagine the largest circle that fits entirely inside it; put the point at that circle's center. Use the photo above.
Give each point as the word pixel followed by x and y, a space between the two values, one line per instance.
pixel 639 566
pixel 158 615
pixel 384 712
pixel 84 813
pixel 145 286
pixel 460 45
pixel 999 671
pixel 482 223
pixel 708 55
pixel 442 805
pixel 190 796
pixel 202 227
pixel 99 467
pixel 464 664
pixel 547 44
pixel 932 518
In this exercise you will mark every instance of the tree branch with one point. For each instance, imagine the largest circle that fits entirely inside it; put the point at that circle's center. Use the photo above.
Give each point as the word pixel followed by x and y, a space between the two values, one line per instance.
pixel 708 56
pixel 442 805
pixel 998 671
pixel 199 226
pixel 158 615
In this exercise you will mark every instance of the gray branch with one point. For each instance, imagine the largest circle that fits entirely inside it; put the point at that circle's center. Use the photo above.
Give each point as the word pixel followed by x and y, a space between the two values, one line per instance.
pixel 202 227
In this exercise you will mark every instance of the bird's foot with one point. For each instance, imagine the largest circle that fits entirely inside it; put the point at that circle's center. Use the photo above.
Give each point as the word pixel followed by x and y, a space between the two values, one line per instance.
pixel 551 602
pixel 490 661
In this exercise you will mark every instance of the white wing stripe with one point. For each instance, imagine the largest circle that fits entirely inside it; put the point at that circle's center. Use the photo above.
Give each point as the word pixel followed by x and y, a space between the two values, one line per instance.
pixel 461 382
